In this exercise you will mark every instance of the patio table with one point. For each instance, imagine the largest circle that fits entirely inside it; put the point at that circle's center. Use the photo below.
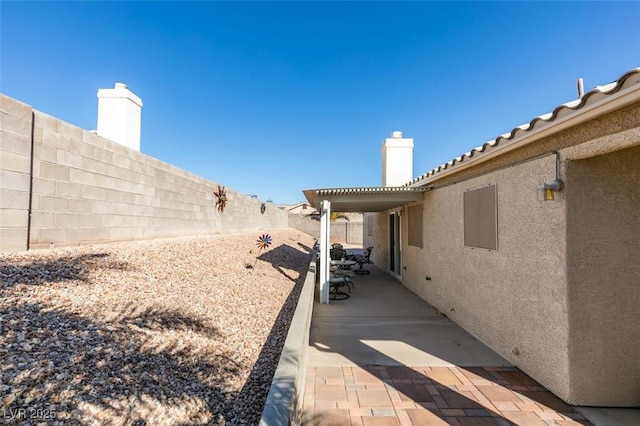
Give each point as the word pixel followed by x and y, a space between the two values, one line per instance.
pixel 343 264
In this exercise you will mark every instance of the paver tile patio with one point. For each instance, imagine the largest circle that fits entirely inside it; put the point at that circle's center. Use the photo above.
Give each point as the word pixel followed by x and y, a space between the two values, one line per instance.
pixel 377 402
pixel 414 392
pixel 335 393
pixel 390 352
pixel 381 421
pixel 426 417
pixel 374 398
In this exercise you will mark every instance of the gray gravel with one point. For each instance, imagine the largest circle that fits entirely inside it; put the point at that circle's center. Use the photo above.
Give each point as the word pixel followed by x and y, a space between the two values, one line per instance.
pixel 183 331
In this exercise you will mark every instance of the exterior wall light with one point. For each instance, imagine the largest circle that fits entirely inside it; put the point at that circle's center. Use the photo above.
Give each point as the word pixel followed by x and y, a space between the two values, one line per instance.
pixel 546 190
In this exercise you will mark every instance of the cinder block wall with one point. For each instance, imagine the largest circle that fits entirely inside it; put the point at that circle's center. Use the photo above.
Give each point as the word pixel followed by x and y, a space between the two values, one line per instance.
pixel 341 231
pixel 15 165
pixel 89 189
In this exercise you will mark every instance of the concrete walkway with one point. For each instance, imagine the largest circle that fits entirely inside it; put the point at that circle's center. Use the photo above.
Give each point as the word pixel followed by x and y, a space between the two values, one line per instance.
pixel 385 357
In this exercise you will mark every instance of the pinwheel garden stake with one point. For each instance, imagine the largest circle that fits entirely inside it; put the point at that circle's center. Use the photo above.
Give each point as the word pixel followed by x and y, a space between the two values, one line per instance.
pixel 263 243
pixel 221 196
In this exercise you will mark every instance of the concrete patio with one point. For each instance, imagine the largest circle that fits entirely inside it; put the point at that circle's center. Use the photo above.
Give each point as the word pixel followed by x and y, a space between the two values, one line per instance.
pixel 386 357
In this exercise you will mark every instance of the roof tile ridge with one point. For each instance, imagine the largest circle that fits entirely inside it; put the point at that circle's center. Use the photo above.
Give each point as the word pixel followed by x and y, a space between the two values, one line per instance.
pixel 541 120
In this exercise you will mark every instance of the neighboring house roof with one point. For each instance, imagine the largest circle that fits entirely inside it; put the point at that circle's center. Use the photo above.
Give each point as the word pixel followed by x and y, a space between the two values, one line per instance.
pixel 295 206
pixel 626 90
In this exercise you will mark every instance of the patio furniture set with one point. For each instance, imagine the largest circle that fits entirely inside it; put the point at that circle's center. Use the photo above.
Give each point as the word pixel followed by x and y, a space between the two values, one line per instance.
pixel 341 273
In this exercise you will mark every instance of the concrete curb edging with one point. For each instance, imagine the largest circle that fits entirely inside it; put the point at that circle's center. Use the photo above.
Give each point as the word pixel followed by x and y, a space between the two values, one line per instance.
pixel 284 401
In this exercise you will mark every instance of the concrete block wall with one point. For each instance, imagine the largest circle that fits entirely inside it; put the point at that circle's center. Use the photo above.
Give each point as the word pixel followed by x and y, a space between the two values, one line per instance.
pixel 89 189
pixel 341 231
pixel 15 165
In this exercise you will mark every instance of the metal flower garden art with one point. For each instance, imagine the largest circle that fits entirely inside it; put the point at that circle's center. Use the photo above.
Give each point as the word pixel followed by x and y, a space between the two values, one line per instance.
pixel 221 196
pixel 263 243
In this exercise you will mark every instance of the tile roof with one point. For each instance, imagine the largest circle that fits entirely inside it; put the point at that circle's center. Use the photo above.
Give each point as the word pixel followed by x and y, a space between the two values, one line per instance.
pixel 288 207
pixel 573 108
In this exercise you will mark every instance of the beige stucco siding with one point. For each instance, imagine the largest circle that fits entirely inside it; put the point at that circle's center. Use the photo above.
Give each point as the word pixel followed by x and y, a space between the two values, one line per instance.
pixel 603 258
pixel 560 297
pixel 513 298
pixel 380 240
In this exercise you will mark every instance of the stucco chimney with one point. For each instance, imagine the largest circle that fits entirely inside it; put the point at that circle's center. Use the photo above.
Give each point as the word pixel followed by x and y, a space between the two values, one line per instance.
pixel 397 160
pixel 119 112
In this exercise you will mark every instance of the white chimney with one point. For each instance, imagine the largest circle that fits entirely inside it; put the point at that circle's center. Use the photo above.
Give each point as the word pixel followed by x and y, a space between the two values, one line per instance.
pixel 397 160
pixel 119 113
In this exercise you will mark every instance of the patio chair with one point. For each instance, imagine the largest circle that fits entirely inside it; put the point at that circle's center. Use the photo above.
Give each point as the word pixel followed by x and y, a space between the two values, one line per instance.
pixel 344 273
pixel 361 260
pixel 337 252
pixel 335 283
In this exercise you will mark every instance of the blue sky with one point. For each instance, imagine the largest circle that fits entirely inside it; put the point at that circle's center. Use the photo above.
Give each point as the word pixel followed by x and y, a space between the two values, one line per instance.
pixel 270 98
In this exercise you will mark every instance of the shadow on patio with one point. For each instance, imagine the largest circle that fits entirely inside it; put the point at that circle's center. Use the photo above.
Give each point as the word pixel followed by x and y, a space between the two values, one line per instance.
pixel 386 357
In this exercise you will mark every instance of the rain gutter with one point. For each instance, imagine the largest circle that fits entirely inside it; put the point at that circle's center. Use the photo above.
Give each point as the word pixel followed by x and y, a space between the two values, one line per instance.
pixel 610 103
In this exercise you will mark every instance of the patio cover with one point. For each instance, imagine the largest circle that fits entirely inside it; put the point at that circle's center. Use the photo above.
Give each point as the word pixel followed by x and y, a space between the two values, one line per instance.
pixel 366 199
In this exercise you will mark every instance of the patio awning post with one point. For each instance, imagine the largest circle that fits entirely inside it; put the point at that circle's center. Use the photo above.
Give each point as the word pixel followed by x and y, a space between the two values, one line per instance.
pixel 325 236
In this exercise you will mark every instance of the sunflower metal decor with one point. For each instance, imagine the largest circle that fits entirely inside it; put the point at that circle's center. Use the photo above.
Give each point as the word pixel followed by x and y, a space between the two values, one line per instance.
pixel 263 243
pixel 221 196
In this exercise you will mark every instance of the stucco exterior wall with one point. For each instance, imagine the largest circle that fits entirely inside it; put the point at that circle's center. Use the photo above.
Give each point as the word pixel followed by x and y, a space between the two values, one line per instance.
pixel 559 297
pixel 89 189
pixel 512 299
pixel 303 209
pixel 379 239
pixel 603 267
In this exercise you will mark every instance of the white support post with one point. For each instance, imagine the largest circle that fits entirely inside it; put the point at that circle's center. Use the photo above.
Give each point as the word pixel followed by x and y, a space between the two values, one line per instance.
pixel 325 235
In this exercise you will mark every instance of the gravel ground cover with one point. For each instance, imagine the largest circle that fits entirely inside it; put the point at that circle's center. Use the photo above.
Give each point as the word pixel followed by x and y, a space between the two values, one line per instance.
pixel 183 331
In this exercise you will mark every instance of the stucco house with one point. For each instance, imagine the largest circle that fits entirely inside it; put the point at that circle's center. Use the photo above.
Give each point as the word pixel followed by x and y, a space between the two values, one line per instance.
pixel 303 208
pixel 531 242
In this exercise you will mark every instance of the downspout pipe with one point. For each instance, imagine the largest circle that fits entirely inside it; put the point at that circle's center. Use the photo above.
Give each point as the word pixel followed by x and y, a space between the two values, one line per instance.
pixel 546 189
pixel 556 184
